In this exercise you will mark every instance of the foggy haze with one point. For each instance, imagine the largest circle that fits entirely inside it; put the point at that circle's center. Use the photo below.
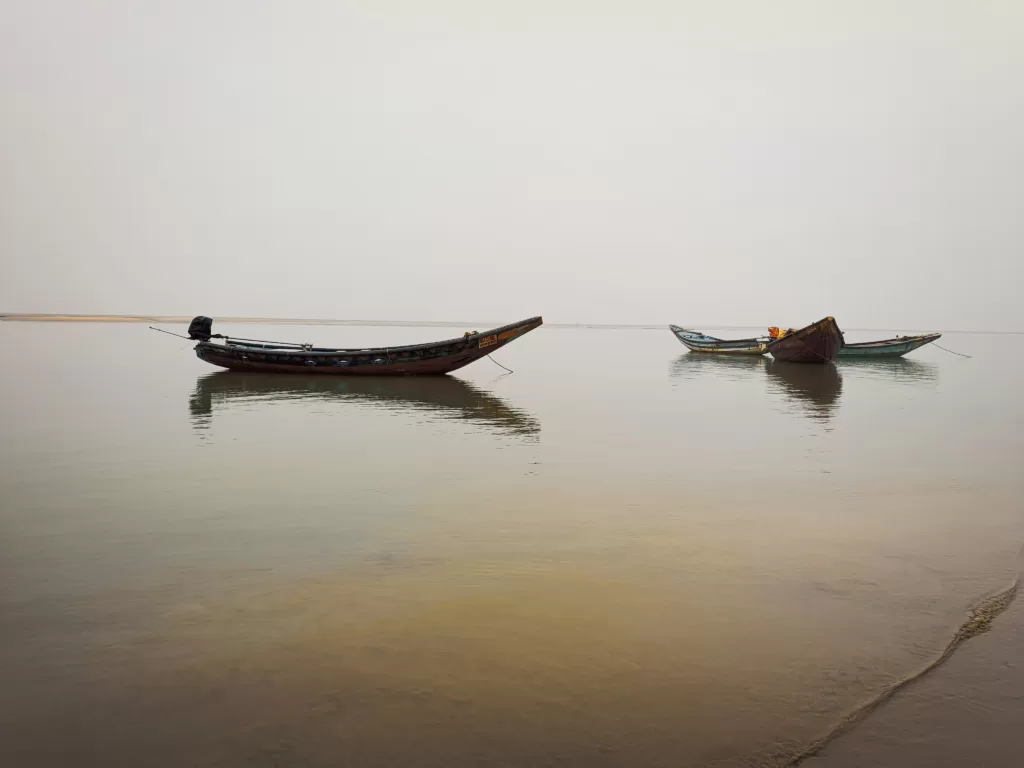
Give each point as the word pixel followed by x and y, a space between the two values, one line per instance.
pixel 720 163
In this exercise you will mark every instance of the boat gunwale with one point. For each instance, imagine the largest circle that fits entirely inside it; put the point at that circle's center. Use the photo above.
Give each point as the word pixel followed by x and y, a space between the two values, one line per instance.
pixel 924 338
pixel 536 322
pixel 712 340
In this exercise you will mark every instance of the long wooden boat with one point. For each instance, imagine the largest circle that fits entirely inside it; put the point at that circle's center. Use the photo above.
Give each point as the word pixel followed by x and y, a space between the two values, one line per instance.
pixel 897 347
pixel 696 341
pixel 817 343
pixel 435 358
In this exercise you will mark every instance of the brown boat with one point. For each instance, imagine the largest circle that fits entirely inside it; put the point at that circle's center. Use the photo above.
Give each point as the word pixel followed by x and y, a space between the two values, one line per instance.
pixel 819 342
pixel 438 357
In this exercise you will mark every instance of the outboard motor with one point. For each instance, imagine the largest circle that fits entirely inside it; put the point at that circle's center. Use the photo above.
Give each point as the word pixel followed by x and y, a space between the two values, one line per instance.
pixel 201 328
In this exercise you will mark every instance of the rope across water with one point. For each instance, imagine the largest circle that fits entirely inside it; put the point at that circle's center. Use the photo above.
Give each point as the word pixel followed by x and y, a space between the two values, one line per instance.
pixel 499 364
pixel 959 354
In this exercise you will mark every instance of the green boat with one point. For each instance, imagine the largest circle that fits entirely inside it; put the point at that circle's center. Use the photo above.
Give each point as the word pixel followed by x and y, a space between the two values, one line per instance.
pixel 897 347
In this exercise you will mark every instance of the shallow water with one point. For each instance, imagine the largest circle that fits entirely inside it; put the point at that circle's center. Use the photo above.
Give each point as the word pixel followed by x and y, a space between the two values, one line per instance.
pixel 968 712
pixel 620 555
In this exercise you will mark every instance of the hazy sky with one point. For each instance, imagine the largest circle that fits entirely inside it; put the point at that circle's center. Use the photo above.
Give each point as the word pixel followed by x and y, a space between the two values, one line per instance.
pixel 721 162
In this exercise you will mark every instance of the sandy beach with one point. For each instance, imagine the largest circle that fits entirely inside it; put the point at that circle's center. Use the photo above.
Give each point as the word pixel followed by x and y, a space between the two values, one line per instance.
pixel 968 712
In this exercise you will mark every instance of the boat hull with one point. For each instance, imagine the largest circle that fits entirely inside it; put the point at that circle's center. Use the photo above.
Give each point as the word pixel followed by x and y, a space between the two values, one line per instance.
pixel 817 343
pixel 432 359
pixel 888 347
pixel 699 342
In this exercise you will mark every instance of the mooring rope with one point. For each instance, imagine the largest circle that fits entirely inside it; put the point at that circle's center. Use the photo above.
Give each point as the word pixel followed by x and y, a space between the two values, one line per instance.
pixel 499 364
pixel 959 354
pixel 186 338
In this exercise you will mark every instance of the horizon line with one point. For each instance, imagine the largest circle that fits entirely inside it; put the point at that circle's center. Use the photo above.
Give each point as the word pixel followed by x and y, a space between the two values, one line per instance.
pixel 176 319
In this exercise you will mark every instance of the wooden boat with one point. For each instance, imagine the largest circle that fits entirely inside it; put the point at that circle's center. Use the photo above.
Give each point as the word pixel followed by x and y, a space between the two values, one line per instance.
pixel 817 343
pixel 897 347
pixel 437 357
pixel 445 397
pixel 696 341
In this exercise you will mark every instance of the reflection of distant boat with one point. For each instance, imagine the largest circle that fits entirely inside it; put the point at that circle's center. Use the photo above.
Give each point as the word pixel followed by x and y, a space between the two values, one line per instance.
pixel 891 369
pixel 816 387
pixel 696 341
pixel 445 396
pixel 689 366
pixel 888 347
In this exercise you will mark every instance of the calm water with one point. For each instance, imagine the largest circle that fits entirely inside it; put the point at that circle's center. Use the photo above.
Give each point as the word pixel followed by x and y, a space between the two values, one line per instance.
pixel 620 555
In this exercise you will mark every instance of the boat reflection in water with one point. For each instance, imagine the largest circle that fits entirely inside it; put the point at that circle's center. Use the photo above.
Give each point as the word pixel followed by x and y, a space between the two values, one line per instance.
pixel 815 388
pixel 896 370
pixel 445 397
pixel 691 365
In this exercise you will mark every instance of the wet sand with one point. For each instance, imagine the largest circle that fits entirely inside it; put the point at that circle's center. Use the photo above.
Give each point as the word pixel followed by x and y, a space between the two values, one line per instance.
pixel 969 712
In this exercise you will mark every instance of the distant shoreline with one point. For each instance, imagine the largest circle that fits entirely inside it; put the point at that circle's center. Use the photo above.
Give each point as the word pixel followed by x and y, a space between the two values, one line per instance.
pixel 91 319
pixel 171 319
pixel 47 318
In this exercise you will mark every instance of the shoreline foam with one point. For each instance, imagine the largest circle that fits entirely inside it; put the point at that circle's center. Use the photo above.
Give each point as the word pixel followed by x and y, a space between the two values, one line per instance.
pixel 979 620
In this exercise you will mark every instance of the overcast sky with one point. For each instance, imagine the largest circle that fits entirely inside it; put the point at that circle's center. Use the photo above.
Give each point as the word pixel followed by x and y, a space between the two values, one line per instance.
pixel 723 162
